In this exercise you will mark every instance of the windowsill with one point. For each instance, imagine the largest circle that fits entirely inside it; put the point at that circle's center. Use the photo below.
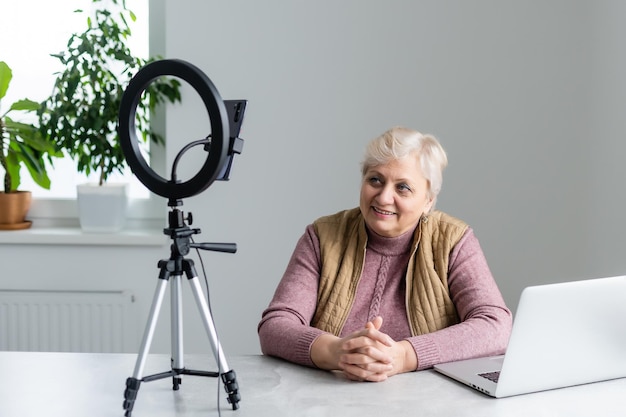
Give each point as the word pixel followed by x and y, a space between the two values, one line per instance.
pixel 75 236
pixel 55 222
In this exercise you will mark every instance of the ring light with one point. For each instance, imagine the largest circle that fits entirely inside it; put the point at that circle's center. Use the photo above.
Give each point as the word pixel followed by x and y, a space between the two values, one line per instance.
pixel 217 152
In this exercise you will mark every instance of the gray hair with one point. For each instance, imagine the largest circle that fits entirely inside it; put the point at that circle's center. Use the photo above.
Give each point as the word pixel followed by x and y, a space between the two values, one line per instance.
pixel 399 142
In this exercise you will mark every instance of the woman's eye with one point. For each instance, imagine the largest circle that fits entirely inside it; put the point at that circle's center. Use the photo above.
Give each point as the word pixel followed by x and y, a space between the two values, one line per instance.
pixel 374 180
pixel 404 187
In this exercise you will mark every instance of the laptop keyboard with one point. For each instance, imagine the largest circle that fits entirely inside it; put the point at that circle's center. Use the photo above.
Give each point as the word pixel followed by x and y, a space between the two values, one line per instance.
pixel 492 376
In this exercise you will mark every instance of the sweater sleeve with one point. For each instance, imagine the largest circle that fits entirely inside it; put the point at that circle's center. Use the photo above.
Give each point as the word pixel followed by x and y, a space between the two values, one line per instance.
pixel 285 330
pixel 485 320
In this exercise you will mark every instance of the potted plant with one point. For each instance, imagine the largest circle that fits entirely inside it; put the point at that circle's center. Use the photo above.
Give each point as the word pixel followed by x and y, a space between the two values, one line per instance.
pixel 21 145
pixel 81 115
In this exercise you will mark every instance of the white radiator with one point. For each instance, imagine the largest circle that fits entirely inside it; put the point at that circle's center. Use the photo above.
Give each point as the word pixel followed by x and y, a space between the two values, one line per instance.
pixel 68 321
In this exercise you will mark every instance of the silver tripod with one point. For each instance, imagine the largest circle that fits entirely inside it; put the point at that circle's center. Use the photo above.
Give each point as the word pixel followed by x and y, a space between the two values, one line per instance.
pixel 172 270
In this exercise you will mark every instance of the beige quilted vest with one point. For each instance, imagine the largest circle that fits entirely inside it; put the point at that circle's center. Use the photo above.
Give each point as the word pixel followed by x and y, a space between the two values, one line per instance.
pixel 343 240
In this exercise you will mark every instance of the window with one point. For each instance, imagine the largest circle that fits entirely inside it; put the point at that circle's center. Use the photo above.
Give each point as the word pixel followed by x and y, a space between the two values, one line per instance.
pixel 36 29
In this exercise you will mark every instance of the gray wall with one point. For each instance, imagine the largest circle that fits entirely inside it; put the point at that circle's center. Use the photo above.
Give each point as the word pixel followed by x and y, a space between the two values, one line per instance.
pixel 528 98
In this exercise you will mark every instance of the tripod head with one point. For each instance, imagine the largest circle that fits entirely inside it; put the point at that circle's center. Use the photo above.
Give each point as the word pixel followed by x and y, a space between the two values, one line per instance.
pixel 181 235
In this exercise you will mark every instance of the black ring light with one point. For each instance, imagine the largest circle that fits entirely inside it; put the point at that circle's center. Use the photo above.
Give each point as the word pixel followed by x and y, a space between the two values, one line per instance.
pixel 217 155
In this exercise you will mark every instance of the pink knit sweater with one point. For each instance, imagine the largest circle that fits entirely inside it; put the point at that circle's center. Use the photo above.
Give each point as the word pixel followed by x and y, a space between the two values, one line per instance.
pixel 285 330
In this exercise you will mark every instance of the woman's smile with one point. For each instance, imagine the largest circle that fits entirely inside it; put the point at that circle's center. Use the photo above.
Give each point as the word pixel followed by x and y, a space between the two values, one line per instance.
pixel 383 212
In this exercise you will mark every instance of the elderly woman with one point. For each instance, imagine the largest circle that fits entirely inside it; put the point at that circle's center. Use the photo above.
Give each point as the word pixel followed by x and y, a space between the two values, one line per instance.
pixel 391 286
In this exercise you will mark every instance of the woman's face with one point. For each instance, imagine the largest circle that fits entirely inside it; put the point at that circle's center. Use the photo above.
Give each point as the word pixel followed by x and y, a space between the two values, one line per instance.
pixel 394 196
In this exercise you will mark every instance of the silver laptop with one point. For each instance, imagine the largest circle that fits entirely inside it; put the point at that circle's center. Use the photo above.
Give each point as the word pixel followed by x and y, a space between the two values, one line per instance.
pixel 563 335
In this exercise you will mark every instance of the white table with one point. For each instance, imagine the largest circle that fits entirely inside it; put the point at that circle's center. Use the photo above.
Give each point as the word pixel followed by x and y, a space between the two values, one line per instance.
pixel 92 385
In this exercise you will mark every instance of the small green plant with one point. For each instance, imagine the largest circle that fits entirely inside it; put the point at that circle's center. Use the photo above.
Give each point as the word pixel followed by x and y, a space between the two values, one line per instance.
pixel 22 143
pixel 81 115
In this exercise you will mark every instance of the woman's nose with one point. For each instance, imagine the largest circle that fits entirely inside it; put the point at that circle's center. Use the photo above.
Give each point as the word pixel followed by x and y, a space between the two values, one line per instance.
pixel 385 196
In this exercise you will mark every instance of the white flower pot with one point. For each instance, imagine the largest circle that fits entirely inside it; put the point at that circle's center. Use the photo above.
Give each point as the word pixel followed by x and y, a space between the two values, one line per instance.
pixel 102 209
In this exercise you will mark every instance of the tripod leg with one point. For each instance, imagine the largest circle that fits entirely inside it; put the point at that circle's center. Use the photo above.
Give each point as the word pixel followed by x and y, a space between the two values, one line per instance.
pixel 132 384
pixel 228 375
pixel 177 330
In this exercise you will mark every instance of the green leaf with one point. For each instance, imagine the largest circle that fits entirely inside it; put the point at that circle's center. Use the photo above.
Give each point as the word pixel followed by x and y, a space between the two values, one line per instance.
pixel 25 104
pixel 13 165
pixel 5 78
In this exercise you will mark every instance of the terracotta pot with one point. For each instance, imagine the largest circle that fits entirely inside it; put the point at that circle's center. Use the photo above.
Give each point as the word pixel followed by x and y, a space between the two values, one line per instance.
pixel 13 210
